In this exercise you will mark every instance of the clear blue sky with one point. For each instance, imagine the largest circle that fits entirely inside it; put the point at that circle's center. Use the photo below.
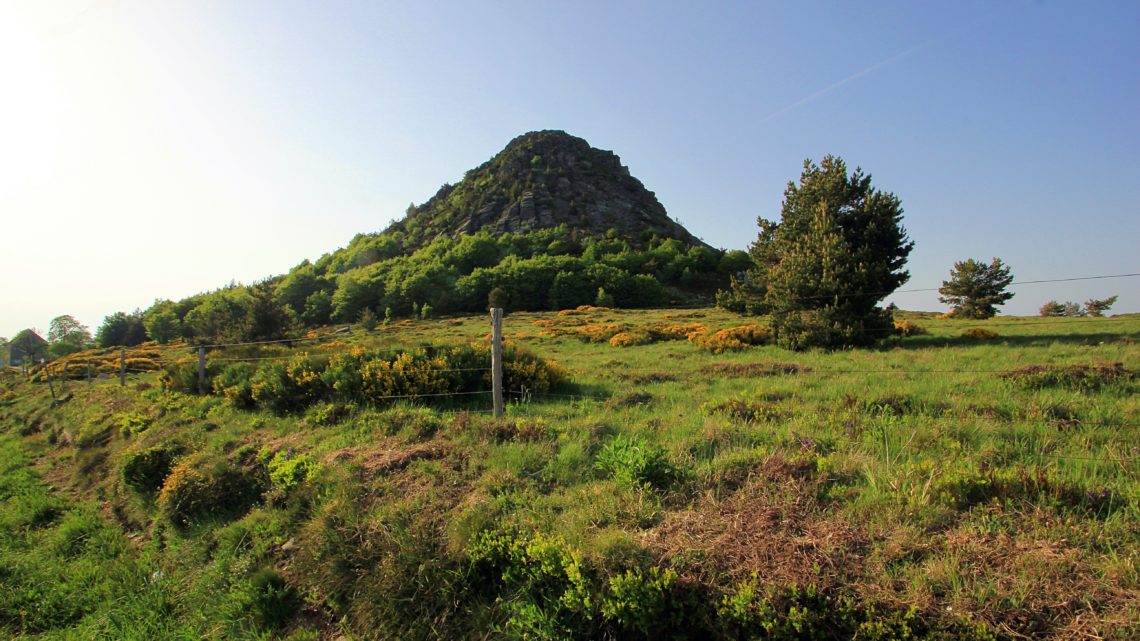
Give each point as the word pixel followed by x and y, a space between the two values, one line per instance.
pixel 158 149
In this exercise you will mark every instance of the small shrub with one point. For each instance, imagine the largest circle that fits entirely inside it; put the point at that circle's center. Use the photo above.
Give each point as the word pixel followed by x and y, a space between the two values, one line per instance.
pixel 603 299
pixel 367 320
pixel 132 422
pixel 272 600
pixel 596 333
pixel 547 587
pixel 630 339
pixel 1083 378
pixel 92 435
pixel 327 414
pixel 183 376
pixel 203 487
pixel 637 601
pixel 741 411
pixel 288 469
pixel 980 333
pixel 732 339
pixel 892 404
pixel 78 532
pixel 909 328
pixel 145 471
pixel 497 298
pixel 633 399
pixel 1037 486
pixel 634 462
pixel 236 384
pixel 416 423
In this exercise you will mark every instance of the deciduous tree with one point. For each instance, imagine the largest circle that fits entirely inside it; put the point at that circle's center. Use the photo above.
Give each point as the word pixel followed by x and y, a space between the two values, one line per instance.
pixel 68 335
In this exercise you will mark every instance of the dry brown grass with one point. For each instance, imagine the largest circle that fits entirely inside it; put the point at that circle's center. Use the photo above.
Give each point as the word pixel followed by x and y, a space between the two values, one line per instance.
pixel 377 461
pixel 1035 578
pixel 754 370
pixel 772 526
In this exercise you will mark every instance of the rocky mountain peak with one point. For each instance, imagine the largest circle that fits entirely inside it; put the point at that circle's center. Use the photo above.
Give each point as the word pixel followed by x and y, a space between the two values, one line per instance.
pixel 544 179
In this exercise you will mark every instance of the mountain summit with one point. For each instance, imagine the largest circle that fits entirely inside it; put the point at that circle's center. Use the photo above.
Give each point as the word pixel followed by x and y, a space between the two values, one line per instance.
pixel 544 179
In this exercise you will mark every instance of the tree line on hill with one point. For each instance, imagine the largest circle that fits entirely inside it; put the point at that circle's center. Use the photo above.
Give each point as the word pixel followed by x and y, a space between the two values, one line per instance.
pixel 376 276
pixel 819 274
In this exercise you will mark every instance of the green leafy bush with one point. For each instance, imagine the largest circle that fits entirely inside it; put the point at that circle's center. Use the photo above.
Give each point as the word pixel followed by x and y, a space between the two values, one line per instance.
pixel 288 469
pixel 235 383
pixel 145 471
pixel 638 601
pixel 741 411
pixel 548 594
pixel 202 487
pixel 634 462
pixel 272 600
pixel 375 377
pixel 132 422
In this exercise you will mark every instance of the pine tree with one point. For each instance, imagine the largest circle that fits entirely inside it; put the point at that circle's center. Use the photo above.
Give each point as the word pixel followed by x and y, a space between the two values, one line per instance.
pixel 975 289
pixel 838 250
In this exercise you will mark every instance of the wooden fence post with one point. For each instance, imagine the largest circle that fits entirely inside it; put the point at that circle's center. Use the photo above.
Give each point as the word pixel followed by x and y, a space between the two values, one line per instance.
pixel 201 370
pixel 497 360
pixel 51 385
pixel 122 368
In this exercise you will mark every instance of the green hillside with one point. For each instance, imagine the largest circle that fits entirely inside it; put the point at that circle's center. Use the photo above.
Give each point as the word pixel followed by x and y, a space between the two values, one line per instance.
pixel 550 221
pixel 655 477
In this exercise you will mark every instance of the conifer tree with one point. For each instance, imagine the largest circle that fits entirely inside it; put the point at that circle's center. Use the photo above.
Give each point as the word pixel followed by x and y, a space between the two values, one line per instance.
pixel 975 289
pixel 838 250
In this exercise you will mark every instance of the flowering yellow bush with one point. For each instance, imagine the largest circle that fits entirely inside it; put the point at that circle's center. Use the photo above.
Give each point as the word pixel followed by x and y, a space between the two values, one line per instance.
pixel 582 309
pixel 598 333
pixel 910 328
pixel 732 339
pixel 203 487
pixel 655 333
pixel 675 332
pixel 629 339
pixel 367 376
pixel 105 361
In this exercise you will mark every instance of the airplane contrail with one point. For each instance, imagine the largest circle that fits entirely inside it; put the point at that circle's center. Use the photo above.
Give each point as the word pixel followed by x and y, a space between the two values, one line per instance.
pixel 853 77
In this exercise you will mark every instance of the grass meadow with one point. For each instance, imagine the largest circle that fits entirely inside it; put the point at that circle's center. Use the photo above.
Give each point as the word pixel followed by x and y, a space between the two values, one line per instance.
pixel 951 484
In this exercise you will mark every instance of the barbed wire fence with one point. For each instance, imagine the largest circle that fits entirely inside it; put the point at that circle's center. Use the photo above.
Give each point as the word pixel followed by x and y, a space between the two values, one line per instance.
pixel 177 355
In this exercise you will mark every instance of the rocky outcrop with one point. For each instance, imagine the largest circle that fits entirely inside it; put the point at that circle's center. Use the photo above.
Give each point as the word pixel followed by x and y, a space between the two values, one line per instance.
pixel 544 179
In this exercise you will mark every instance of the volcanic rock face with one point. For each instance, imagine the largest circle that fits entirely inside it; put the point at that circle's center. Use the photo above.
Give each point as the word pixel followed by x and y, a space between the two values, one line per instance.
pixel 545 179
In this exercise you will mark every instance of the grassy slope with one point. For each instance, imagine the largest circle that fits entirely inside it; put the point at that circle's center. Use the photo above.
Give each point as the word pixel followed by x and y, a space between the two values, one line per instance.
pixel 909 477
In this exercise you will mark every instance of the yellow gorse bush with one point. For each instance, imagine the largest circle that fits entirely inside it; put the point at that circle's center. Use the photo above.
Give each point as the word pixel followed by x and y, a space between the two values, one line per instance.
pixel 107 361
pixel 910 328
pixel 369 377
pixel 582 309
pixel 732 339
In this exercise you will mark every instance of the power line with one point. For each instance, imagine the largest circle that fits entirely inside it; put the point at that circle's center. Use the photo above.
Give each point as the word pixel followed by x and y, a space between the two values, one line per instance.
pixel 883 293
